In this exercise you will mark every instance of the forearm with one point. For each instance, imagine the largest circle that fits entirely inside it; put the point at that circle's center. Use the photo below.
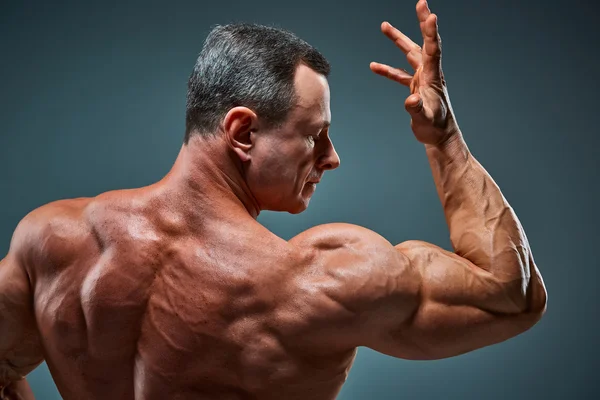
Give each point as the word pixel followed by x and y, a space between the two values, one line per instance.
pixel 483 227
pixel 18 390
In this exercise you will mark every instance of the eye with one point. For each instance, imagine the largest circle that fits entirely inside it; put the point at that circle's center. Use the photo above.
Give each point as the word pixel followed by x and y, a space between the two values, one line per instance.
pixel 313 139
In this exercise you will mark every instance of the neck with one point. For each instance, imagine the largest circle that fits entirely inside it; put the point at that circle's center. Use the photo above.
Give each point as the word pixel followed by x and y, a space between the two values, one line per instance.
pixel 207 179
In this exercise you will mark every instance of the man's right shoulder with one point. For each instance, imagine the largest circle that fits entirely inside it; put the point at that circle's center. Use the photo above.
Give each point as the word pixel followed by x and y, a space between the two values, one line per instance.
pixel 339 235
pixel 353 275
pixel 53 233
pixel 336 248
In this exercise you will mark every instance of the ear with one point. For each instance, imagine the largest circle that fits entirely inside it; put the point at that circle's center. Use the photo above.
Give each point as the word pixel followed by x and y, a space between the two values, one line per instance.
pixel 239 125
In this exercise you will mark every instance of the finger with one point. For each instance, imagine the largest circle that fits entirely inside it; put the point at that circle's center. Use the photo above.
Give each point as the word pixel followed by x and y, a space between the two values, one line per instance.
pixel 414 106
pixel 415 58
pixel 432 44
pixel 396 74
pixel 422 12
pixel 415 83
pixel 432 50
pixel 400 39
pixel 408 47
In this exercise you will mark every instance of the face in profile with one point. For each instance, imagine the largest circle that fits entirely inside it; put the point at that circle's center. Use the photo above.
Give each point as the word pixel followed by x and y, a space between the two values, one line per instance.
pixel 287 161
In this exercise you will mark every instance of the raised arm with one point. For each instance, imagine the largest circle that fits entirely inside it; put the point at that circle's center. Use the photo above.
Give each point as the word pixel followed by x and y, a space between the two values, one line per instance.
pixel 484 230
pixel 20 348
pixel 417 300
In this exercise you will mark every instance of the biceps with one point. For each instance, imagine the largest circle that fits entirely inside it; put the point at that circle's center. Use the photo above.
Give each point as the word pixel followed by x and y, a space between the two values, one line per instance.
pixel 20 350
pixel 439 331
pixel 459 308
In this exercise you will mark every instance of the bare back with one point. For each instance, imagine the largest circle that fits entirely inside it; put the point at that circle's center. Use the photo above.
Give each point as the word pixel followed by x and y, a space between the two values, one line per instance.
pixel 137 306
pixel 125 298
pixel 132 301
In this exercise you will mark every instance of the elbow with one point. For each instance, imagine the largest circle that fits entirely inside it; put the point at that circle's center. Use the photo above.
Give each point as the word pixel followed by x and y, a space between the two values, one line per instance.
pixel 537 300
pixel 528 299
pixel 539 307
pixel 537 295
pixel 531 309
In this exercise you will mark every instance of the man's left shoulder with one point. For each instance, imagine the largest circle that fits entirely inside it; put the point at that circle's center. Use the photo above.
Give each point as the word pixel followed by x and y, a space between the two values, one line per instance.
pixel 51 232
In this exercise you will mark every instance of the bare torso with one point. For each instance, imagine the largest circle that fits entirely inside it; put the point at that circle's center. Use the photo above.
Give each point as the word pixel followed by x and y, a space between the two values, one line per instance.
pixel 146 308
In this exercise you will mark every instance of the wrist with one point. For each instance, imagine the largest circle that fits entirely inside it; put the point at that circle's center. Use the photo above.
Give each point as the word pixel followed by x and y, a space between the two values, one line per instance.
pixel 453 145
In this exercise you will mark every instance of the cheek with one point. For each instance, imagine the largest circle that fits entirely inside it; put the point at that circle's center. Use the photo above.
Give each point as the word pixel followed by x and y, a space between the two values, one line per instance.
pixel 287 166
pixel 271 170
pixel 308 160
pixel 302 162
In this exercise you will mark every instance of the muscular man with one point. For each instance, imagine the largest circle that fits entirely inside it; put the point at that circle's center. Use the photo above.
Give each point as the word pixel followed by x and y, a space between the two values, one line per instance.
pixel 175 291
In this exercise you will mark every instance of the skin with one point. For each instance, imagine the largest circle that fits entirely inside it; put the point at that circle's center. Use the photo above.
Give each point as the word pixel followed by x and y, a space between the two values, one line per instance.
pixel 176 291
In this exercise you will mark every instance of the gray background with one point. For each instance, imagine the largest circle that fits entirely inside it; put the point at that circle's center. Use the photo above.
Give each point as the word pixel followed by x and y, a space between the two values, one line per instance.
pixel 92 98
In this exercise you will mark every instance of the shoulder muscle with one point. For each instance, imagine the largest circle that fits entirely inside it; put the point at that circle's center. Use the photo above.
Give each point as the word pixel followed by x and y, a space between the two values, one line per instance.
pixel 49 235
pixel 370 280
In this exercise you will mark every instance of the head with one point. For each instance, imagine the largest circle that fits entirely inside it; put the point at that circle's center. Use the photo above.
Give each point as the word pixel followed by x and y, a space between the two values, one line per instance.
pixel 264 93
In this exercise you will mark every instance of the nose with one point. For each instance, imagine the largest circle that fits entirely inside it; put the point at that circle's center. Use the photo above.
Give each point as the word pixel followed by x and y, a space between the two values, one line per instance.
pixel 329 159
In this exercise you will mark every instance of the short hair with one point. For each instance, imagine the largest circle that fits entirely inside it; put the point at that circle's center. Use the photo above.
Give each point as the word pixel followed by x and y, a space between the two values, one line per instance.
pixel 249 65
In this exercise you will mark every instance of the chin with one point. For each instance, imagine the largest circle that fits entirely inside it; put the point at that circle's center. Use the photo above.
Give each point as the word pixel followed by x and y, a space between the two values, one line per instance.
pixel 300 206
pixel 294 206
pixel 298 210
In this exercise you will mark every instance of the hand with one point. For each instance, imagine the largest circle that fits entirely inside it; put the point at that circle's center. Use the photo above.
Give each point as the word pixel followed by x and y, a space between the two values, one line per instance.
pixel 432 118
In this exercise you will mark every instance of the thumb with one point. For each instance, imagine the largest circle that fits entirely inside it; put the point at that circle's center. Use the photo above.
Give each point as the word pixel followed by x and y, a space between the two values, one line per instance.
pixel 414 105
